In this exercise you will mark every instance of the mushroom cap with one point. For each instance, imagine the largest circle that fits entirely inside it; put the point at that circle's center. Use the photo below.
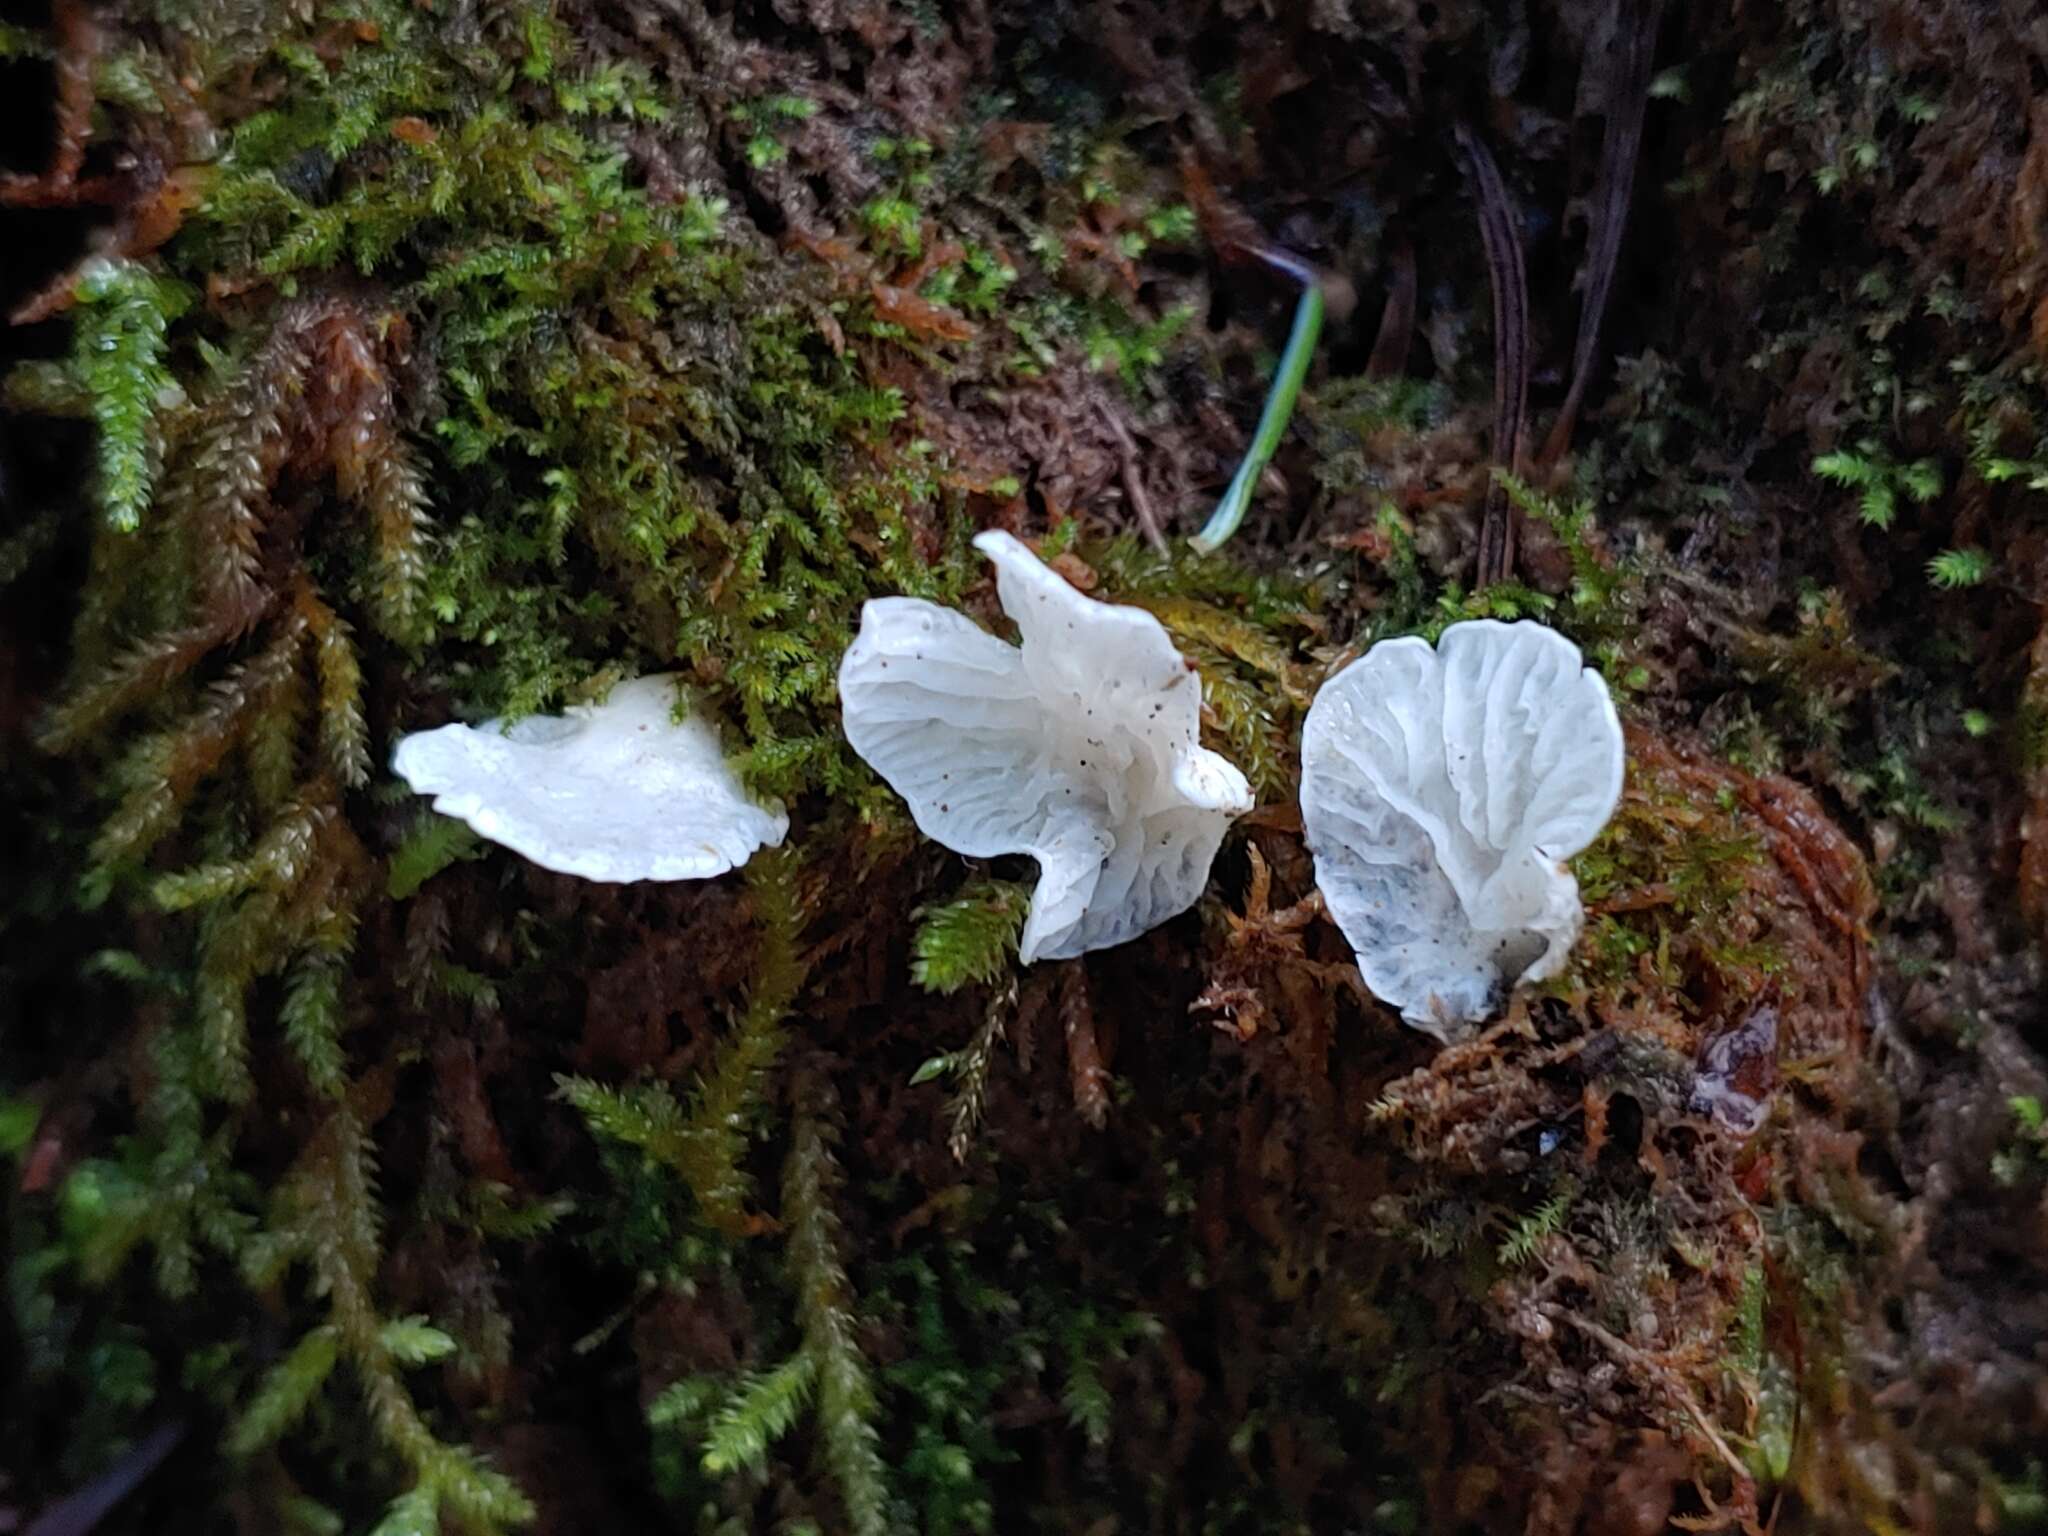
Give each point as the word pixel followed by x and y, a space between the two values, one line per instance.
pixel 616 791
pixel 1442 789
pixel 1079 747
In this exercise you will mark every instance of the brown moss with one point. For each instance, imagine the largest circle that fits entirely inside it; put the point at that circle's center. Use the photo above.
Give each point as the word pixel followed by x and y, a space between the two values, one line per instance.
pixel 1558 1279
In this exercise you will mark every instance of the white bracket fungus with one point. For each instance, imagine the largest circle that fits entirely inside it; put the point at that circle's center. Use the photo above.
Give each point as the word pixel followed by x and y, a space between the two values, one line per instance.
pixel 614 791
pixel 1079 748
pixel 1441 790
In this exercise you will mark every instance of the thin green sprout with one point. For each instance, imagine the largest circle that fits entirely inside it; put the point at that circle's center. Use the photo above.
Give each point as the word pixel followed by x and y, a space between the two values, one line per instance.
pixel 1301 345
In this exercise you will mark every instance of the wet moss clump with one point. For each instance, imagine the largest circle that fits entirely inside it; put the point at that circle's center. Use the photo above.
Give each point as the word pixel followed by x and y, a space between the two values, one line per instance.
pixel 419 362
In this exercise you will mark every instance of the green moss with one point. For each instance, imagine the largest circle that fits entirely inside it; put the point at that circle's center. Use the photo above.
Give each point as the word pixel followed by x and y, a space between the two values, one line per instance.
pixel 970 939
pixel 499 393
pixel 1695 862
pixel 117 362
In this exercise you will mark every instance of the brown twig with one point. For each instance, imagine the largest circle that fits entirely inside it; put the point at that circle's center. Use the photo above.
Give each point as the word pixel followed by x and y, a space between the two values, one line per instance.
pixel 1133 477
pixel 1085 1070
pixel 1397 320
pixel 78 53
pixel 1642 1360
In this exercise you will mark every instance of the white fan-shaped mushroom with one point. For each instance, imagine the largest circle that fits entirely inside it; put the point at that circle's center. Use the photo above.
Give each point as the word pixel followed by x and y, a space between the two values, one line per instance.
pixel 1079 748
pixel 614 791
pixel 1441 790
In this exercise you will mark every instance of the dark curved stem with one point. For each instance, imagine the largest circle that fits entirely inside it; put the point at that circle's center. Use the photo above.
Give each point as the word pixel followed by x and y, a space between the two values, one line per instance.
pixel 1497 529
pixel 79 1513
pixel 1629 61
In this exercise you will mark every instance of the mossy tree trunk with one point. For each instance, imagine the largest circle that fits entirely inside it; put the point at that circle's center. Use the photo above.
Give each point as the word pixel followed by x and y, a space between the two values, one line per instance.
pixel 394 362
